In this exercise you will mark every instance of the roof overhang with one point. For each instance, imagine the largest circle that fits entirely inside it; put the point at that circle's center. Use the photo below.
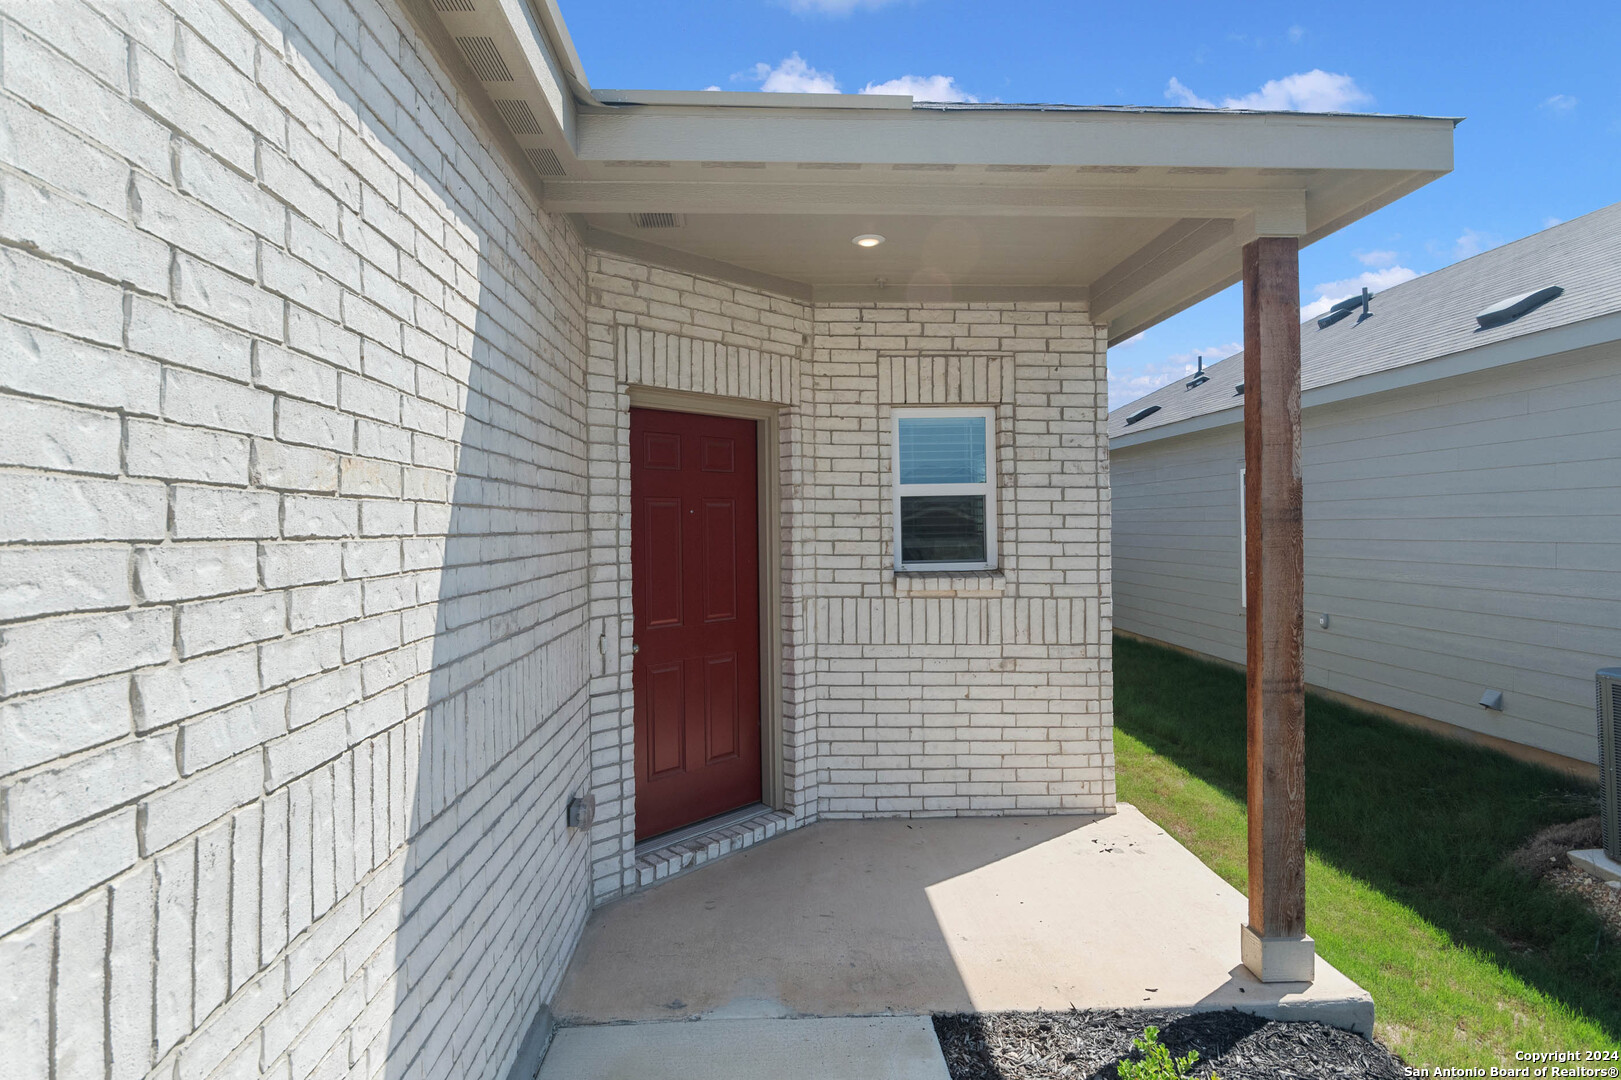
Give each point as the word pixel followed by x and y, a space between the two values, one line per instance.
pixel 1142 211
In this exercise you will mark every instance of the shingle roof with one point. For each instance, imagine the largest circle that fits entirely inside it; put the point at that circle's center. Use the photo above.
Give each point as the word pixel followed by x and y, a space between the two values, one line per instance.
pixel 1428 317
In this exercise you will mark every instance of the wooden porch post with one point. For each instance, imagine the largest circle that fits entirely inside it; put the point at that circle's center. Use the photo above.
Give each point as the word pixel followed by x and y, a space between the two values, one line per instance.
pixel 1274 943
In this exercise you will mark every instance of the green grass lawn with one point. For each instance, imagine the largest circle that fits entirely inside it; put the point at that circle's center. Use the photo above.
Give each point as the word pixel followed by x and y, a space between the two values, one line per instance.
pixel 1406 887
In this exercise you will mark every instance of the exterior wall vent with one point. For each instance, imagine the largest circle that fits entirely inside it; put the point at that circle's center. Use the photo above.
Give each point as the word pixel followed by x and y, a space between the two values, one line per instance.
pixel 485 58
pixel 453 5
pixel 658 221
pixel 518 115
pixel 1609 718
pixel 545 160
pixel 1142 414
pixel 1506 311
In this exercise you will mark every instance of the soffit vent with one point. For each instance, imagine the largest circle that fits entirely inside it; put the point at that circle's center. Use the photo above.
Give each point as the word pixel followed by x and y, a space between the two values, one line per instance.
pixel 453 5
pixel 658 221
pixel 1110 168
pixel 734 164
pixel 485 58
pixel 1197 170
pixel 1141 414
pixel 829 165
pixel 545 160
pixel 924 166
pixel 636 164
pixel 518 115
pixel 1506 311
pixel 1017 168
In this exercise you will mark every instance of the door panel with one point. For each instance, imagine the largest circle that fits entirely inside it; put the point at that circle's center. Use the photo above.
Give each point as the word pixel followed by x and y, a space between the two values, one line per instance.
pixel 695 593
pixel 720 558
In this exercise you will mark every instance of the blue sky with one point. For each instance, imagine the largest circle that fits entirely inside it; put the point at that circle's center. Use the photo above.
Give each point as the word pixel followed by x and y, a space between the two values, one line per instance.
pixel 1538 86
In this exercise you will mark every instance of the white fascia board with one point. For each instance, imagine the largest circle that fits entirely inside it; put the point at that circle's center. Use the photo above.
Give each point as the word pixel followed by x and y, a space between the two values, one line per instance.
pixel 540 56
pixel 1015 137
pixel 900 193
pixel 752 99
pixel 562 41
pixel 1550 342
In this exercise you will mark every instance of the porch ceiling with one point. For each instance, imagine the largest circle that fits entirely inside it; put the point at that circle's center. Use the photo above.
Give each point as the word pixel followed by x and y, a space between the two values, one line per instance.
pixel 1142 211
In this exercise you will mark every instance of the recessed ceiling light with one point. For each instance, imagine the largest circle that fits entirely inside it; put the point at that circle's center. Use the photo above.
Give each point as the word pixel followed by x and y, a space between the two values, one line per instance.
pixel 868 240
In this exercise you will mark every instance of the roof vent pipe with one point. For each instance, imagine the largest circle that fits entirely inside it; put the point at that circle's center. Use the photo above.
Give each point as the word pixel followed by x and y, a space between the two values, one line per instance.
pixel 1345 307
pixel 1506 311
pixel 1199 377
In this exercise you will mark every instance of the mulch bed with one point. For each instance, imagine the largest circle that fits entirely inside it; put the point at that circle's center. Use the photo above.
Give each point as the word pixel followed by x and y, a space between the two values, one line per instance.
pixel 1088 1045
pixel 1546 851
pixel 1544 857
pixel 1602 897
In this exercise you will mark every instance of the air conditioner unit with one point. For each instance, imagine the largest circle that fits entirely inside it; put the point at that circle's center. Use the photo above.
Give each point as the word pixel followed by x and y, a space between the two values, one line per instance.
pixel 1609 727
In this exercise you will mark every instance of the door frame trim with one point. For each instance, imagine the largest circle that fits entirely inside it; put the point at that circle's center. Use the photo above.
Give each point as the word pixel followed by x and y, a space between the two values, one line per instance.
pixel 773 786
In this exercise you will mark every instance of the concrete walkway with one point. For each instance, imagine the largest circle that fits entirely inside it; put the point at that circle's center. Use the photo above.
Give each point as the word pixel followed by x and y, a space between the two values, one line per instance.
pixel 908 918
pixel 845 1048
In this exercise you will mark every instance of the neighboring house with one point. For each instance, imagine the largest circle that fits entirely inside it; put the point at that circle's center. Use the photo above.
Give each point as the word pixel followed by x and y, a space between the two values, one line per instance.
pixel 1462 487
pixel 404 448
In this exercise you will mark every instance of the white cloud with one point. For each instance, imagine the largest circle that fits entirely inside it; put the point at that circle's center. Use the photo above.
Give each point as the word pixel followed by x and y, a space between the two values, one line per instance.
pixel 1376 258
pixel 922 88
pixel 709 88
pixel 1297 34
pixel 1330 293
pixel 794 76
pixel 1127 384
pixel 1559 103
pixel 1175 91
pixel 1306 91
pixel 834 7
pixel 1473 242
pixel 1550 221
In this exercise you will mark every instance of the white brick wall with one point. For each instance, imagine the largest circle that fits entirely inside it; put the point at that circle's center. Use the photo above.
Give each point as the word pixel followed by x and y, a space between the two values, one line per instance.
pixel 292 556
pixel 314 558
pixel 981 695
pixel 913 695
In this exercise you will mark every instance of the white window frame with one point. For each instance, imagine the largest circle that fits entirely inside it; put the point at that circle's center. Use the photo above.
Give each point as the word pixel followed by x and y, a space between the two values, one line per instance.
pixel 988 488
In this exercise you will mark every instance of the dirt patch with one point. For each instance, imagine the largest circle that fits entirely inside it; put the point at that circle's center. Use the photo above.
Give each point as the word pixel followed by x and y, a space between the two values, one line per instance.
pixel 1089 1045
pixel 1546 851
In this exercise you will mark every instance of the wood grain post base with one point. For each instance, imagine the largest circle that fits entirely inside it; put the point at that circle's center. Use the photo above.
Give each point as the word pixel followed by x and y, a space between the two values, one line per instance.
pixel 1279 959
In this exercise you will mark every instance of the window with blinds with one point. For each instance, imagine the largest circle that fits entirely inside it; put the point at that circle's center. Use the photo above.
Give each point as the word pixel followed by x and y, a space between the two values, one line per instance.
pixel 945 489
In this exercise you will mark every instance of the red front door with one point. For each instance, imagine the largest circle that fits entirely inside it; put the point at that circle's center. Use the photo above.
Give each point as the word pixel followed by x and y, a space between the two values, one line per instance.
pixel 695 589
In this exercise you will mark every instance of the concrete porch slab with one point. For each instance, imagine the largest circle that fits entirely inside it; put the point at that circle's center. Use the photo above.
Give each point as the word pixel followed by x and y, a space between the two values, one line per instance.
pixel 910 917
pixel 846 1048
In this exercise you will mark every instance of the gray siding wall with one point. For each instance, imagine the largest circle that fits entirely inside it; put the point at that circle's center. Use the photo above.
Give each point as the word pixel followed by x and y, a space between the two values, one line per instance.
pixel 1461 534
